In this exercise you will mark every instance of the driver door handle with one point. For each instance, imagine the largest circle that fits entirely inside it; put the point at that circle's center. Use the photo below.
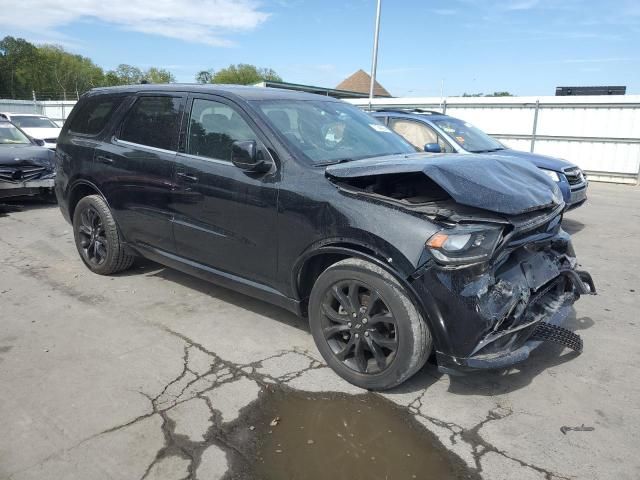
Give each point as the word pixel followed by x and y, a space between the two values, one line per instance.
pixel 187 177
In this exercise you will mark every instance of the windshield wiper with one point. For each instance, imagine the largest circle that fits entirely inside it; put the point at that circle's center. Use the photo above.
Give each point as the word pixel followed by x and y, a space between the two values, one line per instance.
pixel 489 150
pixel 333 162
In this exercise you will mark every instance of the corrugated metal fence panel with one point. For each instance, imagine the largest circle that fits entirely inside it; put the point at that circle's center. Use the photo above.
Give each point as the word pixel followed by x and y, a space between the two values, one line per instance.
pixel 509 121
pixel 20 106
pixel 57 110
pixel 601 134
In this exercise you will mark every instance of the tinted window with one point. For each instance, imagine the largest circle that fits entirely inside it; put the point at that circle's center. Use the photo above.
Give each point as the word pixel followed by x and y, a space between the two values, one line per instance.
pixel 93 114
pixel 153 121
pixel 213 127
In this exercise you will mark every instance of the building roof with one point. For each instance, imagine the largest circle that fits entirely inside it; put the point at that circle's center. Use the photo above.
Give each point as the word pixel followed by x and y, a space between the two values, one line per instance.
pixel 360 82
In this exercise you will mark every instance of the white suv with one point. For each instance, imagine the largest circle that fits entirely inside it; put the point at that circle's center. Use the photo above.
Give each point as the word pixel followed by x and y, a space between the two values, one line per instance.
pixel 36 126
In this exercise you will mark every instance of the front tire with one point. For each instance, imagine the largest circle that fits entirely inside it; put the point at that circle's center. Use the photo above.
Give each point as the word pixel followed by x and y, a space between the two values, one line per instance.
pixel 97 237
pixel 365 325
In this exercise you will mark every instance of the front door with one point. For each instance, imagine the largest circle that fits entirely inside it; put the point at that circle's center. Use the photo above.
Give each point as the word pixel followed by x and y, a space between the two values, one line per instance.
pixel 137 168
pixel 225 218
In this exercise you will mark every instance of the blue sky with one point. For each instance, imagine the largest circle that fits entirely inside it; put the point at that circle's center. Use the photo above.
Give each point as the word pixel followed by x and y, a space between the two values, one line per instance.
pixel 527 47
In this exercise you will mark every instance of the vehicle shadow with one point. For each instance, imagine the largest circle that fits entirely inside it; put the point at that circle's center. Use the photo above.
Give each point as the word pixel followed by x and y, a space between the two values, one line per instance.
pixel 487 383
pixel 572 226
pixel 501 381
pixel 9 206
pixel 143 266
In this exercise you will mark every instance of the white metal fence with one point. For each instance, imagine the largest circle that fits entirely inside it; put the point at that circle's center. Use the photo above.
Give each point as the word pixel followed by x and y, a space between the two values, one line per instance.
pixel 57 110
pixel 601 134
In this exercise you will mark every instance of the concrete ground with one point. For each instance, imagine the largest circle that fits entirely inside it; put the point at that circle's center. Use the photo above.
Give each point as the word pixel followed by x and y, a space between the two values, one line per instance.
pixel 101 376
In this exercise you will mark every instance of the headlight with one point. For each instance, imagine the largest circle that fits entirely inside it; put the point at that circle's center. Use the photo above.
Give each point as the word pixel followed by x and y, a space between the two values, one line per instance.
pixel 553 175
pixel 464 245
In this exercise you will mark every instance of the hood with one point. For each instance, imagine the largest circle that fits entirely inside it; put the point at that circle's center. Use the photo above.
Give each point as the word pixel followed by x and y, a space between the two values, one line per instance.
pixel 25 154
pixel 540 161
pixel 498 184
pixel 42 133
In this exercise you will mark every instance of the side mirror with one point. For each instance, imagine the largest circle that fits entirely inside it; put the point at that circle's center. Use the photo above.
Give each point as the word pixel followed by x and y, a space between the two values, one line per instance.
pixel 37 141
pixel 433 148
pixel 246 156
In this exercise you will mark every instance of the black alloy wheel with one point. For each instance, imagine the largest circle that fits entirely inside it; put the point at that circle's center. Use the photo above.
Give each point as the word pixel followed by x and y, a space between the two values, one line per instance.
pixel 98 238
pixel 359 326
pixel 366 326
pixel 93 237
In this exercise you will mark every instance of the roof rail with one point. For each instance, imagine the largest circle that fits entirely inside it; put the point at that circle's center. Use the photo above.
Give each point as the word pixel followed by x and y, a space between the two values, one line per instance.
pixel 407 110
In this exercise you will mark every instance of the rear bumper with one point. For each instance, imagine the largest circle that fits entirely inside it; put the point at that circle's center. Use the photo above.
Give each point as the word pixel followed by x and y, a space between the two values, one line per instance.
pixel 486 316
pixel 30 187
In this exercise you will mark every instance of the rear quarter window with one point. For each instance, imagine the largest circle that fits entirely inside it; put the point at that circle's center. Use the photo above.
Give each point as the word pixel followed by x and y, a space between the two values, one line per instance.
pixel 153 121
pixel 93 115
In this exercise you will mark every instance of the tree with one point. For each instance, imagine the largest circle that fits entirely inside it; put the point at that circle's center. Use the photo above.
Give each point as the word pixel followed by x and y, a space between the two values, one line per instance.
pixel 18 66
pixel 159 75
pixel 204 76
pixel 125 75
pixel 244 74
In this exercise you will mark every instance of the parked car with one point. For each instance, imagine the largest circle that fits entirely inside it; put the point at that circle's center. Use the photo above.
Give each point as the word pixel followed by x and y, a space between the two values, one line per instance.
pixel 26 169
pixel 308 203
pixel 437 133
pixel 38 127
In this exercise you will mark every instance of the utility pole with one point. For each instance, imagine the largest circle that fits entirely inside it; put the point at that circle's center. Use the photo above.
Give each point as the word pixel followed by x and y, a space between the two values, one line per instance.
pixel 374 60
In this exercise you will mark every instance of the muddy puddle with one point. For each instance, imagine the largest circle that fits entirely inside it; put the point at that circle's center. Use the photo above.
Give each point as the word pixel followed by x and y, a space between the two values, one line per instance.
pixel 331 436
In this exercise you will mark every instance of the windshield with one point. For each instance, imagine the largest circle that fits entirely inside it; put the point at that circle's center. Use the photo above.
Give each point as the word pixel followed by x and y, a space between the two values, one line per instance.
pixel 327 131
pixel 9 134
pixel 26 121
pixel 470 138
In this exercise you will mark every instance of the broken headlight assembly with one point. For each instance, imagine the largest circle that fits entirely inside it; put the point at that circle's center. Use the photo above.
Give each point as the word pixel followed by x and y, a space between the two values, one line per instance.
pixel 464 245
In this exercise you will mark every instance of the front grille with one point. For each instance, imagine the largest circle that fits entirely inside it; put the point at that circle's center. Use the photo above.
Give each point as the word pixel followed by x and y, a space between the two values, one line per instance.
pixel 574 176
pixel 51 140
pixel 20 174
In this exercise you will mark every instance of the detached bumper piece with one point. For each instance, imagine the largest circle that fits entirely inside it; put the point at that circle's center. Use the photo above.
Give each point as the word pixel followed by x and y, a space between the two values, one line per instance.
pixel 556 334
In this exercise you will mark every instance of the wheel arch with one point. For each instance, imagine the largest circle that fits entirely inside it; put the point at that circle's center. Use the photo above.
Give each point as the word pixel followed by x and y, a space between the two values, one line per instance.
pixel 79 190
pixel 318 258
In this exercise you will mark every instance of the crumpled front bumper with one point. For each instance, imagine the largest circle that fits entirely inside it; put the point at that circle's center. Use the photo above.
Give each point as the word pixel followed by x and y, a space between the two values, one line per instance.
pixel 28 187
pixel 486 316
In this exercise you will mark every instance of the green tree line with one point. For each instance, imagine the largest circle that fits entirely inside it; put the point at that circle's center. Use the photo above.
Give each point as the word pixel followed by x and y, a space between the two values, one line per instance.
pixel 52 72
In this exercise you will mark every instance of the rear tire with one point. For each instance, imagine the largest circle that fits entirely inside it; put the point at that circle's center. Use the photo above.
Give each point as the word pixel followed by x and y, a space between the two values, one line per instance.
pixel 365 325
pixel 98 238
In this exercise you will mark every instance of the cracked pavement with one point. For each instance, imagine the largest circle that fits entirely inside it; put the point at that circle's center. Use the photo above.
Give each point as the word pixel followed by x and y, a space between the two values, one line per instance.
pixel 141 375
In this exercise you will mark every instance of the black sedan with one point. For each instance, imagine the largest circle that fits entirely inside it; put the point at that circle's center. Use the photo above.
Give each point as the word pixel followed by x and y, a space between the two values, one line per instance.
pixel 26 168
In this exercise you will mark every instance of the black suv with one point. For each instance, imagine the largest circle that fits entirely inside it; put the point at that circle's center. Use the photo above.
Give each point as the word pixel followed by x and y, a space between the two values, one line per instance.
pixel 308 203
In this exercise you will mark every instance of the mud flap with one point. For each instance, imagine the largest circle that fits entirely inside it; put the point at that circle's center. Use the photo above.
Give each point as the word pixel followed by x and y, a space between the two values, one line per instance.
pixel 553 333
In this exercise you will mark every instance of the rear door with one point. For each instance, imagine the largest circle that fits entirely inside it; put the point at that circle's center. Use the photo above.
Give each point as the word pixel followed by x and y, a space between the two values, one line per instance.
pixel 225 218
pixel 137 166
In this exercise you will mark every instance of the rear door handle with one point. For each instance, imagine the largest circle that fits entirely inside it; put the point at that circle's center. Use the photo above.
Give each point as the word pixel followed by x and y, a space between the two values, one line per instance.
pixel 187 177
pixel 104 159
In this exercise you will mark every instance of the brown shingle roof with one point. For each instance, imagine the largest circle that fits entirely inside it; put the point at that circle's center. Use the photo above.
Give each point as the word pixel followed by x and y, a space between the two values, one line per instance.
pixel 360 82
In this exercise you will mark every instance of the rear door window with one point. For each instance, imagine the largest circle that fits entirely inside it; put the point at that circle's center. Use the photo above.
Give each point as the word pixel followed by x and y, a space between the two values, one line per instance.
pixel 153 121
pixel 93 114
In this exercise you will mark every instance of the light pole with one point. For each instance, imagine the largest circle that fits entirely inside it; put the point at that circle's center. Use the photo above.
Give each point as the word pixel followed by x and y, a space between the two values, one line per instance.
pixel 374 60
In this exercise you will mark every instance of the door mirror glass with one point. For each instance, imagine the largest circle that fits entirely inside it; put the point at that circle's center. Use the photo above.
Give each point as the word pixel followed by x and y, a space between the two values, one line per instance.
pixel 246 156
pixel 433 148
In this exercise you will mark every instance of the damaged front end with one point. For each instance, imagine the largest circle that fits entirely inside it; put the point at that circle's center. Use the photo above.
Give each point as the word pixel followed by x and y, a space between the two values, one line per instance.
pixel 494 312
pixel 499 275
